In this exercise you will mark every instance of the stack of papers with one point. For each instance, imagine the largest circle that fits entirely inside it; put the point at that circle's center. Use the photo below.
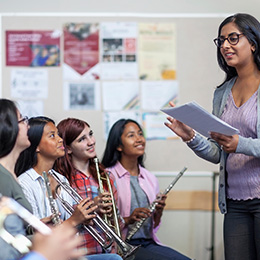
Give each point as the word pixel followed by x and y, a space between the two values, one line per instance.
pixel 200 120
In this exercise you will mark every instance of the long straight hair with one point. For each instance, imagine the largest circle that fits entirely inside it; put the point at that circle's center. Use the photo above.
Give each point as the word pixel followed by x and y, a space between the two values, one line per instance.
pixel 8 126
pixel 28 158
pixel 111 155
pixel 250 27
pixel 69 129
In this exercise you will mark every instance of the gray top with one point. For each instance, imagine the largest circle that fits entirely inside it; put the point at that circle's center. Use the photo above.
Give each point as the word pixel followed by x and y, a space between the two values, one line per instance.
pixel 9 187
pixel 209 150
pixel 139 200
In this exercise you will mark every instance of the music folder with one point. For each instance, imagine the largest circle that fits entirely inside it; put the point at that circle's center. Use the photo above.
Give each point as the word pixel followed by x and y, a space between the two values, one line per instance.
pixel 195 116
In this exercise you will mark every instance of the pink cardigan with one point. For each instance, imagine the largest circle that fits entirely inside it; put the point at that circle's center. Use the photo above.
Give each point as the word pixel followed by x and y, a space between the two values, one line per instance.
pixel 148 183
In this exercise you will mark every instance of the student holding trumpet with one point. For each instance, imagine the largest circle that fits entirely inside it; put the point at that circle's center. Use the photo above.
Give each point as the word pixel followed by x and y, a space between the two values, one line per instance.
pixel 14 139
pixel 46 147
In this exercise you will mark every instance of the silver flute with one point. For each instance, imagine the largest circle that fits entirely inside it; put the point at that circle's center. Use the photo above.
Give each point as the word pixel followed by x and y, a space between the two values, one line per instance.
pixel 55 212
pixel 152 206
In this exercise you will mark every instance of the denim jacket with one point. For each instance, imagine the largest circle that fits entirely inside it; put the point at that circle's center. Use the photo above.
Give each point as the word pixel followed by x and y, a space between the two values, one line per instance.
pixel 209 150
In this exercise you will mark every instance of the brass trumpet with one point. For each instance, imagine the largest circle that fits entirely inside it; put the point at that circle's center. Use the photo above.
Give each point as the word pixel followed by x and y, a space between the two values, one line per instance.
pixel 128 250
pixel 101 190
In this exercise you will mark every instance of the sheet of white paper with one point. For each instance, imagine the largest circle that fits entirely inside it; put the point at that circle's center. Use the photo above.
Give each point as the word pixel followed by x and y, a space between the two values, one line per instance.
pixel 120 95
pixel 157 94
pixel 29 83
pixel 111 117
pixel 200 120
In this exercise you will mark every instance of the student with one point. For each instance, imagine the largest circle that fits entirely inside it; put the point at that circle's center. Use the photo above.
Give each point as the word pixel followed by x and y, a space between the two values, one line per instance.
pixel 137 187
pixel 79 168
pixel 46 147
pixel 13 140
pixel 236 101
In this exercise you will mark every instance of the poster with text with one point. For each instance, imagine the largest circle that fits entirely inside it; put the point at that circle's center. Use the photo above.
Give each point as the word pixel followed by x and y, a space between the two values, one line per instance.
pixel 157 51
pixel 118 50
pixel 33 48
pixel 81 51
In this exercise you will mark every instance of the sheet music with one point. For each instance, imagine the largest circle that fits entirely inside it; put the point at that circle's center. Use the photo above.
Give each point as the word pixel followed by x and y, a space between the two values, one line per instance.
pixel 193 115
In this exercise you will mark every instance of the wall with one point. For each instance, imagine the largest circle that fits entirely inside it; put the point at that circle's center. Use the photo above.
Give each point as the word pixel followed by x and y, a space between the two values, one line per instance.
pixel 197 72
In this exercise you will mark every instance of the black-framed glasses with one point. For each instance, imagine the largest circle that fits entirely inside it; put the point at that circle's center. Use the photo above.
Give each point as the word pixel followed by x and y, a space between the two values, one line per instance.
pixel 232 38
pixel 24 119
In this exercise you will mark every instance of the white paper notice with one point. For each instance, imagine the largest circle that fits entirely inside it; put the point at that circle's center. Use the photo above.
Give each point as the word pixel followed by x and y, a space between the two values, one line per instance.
pixel 118 50
pixel 158 94
pixel 111 117
pixel 29 83
pixel 154 127
pixel 120 95
pixel 200 120
pixel 31 108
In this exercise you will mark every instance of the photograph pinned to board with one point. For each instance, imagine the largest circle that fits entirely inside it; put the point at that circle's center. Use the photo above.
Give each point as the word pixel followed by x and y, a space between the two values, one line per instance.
pixel 81 95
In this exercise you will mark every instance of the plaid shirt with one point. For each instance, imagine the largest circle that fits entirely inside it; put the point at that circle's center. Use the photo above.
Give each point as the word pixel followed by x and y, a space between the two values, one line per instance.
pixel 88 187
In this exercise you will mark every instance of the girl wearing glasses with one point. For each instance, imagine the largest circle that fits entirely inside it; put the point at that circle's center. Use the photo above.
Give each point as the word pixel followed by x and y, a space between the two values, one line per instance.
pixel 236 101
pixel 13 140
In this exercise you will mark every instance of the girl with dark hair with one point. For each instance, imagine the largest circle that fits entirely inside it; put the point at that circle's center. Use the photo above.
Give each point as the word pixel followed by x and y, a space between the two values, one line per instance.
pixel 46 147
pixel 13 140
pixel 137 187
pixel 79 168
pixel 236 102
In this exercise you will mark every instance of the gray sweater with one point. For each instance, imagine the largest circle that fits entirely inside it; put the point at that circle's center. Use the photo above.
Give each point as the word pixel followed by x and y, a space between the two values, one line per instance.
pixel 209 150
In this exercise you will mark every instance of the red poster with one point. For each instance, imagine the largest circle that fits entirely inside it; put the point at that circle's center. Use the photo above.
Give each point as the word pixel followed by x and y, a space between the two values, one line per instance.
pixel 81 46
pixel 32 48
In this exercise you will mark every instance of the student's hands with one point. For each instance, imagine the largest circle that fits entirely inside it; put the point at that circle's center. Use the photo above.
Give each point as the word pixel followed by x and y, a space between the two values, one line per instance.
pixel 227 143
pixel 104 203
pixel 160 202
pixel 47 220
pixel 137 215
pixel 83 212
pixel 185 132
pixel 61 244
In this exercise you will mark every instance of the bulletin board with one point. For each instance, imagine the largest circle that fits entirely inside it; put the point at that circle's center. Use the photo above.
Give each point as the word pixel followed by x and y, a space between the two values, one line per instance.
pixel 195 76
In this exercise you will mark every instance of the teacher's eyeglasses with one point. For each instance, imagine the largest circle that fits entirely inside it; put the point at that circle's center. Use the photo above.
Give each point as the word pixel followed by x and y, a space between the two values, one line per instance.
pixel 233 39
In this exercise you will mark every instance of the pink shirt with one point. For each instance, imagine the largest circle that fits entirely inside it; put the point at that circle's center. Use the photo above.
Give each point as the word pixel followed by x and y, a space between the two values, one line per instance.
pixel 148 183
